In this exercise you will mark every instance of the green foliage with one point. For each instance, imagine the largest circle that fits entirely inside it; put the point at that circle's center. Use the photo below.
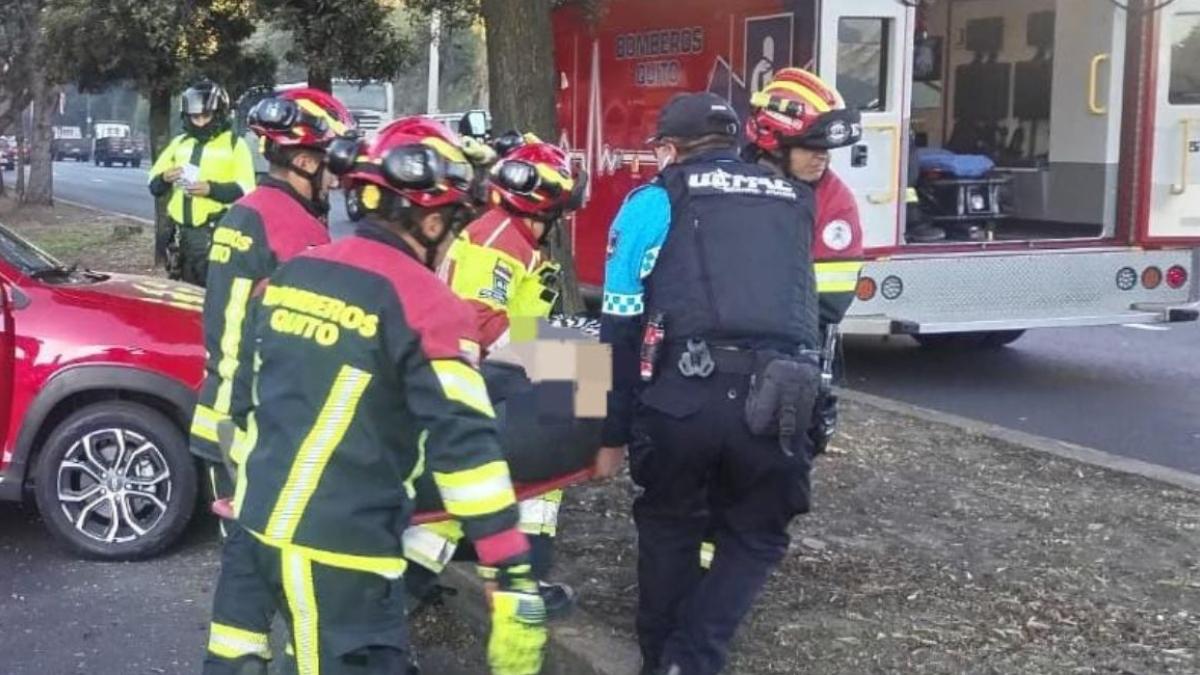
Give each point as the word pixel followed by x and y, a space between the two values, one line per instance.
pixel 17 46
pixel 463 72
pixel 157 44
pixel 355 39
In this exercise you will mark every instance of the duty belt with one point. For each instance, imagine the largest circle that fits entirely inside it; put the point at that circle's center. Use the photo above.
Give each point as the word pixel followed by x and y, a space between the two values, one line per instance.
pixel 697 359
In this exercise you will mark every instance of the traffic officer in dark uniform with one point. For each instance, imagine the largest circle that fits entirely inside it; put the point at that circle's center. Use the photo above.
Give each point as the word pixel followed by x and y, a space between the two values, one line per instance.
pixel 204 169
pixel 713 257
pixel 366 375
pixel 264 229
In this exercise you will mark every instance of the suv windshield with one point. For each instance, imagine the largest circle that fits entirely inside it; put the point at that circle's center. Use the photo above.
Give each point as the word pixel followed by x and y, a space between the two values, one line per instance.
pixel 23 255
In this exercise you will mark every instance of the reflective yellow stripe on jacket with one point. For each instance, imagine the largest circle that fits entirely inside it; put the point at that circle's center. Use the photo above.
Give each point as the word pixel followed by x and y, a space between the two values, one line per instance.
pixel 314 453
pixel 837 276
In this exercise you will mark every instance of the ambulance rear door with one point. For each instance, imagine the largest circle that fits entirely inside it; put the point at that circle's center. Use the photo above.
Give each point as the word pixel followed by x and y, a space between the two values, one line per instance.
pixel 865 50
pixel 1175 189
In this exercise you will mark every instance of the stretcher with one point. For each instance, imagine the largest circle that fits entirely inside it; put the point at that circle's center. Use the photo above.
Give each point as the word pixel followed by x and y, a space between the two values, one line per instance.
pixel 546 445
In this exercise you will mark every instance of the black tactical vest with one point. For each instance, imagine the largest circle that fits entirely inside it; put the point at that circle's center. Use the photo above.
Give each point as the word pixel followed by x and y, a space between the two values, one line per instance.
pixel 736 267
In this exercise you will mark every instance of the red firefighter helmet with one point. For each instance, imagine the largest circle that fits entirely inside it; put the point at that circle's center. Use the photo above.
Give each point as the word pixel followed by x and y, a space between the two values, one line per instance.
pixel 416 158
pixel 798 109
pixel 536 180
pixel 306 118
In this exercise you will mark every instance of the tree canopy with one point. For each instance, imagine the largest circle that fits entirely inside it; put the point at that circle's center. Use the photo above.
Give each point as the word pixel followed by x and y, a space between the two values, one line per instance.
pixel 17 37
pixel 355 39
pixel 157 44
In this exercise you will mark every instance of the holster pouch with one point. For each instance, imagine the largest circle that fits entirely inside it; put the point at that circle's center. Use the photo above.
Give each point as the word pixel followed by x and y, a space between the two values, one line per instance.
pixel 783 395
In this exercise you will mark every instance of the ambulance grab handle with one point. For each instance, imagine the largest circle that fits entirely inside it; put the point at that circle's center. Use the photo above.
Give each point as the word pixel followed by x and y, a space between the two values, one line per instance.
pixel 1093 82
pixel 1184 151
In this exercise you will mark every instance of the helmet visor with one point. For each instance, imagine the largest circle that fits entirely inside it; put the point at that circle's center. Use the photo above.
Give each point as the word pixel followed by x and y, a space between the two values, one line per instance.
pixel 198 102
pixel 835 129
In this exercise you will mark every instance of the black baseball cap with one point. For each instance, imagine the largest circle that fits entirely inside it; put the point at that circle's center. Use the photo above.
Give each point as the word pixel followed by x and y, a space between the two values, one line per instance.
pixel 696 115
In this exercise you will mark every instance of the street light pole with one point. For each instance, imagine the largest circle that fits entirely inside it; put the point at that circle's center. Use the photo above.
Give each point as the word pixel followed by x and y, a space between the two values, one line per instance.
pixel 435 39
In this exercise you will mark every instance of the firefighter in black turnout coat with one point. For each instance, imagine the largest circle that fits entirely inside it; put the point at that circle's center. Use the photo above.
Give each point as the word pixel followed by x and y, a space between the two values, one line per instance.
pixel 366 376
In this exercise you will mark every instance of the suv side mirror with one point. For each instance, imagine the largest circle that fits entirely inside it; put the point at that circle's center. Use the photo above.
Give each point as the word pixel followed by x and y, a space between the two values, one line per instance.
pixel 474 124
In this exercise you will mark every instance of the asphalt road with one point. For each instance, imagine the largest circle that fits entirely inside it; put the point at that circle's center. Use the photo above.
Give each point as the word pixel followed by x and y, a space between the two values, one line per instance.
pixel 62 616
pixel 124 190
pixel 1130 391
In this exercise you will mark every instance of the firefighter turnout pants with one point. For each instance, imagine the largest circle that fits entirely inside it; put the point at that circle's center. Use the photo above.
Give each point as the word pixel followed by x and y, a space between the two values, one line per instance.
pixel 342 620
pixel 704 473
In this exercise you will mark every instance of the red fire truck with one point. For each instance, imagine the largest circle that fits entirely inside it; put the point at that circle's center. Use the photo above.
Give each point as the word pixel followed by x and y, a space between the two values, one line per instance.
pixel 1053 146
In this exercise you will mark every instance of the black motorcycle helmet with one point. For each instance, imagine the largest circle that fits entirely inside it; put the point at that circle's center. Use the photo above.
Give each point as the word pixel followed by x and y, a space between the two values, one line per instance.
pixel 205 96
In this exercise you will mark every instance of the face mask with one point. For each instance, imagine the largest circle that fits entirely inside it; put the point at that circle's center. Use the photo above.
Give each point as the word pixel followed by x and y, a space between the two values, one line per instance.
pixel 663 157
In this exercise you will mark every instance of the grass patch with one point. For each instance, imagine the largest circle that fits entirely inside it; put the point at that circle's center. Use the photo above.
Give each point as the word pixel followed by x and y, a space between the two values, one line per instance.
pixel 95 240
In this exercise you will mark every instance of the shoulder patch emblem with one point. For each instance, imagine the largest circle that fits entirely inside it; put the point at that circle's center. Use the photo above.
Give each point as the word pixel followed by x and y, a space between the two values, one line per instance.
pixel 502 278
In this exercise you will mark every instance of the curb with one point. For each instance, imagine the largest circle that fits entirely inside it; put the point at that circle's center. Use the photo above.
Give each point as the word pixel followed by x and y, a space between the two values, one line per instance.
pixel 1050 446
pixel 115 214
pixel 576 644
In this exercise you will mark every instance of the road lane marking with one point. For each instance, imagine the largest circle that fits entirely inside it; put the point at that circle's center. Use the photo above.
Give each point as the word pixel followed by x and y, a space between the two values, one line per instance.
pixel 1144 326
pixel 97 180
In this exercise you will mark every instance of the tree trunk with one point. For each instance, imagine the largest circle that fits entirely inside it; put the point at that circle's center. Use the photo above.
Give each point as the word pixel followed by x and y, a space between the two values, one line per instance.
pixel 40 189
pixel 20 186
pixel 521 88
pixel 160 137
pixel 320 77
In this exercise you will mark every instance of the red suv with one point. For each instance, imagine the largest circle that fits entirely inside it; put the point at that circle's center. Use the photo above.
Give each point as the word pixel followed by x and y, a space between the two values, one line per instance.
pixel 98 374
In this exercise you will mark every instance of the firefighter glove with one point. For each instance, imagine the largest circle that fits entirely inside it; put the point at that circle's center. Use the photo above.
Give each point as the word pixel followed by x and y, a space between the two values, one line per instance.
pixel 478 153
pixel 538 291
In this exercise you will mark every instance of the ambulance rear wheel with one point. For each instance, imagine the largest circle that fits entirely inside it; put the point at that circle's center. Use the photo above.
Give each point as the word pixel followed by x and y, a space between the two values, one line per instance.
pixel 976 340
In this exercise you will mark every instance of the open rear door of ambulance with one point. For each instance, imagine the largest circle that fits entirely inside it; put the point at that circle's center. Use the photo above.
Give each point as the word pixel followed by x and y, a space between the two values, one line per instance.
pixel 1175 186
pixel 866 52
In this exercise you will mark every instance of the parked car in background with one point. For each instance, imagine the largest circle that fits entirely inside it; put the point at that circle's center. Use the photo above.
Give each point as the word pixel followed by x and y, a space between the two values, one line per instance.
pixel 70 142
pixel 8 153
pixel 115 145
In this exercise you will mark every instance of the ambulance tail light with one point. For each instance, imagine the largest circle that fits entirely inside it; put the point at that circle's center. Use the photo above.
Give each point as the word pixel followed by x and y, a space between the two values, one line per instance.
pixel 1152 277
pixel 866 289
pixel 1177 277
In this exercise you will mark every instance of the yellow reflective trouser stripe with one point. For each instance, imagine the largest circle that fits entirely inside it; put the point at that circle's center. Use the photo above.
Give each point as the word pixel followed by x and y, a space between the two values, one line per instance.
pixel 302 603
pixel 707 549
pixel 387 567
pixel 432 546
pixel 243 445
pixel 314 453
pixel 464 384
pixel 476 492
pixel 540 514
pixel 233 643
pixel 837 277
pixel 205 421
pixel 231 340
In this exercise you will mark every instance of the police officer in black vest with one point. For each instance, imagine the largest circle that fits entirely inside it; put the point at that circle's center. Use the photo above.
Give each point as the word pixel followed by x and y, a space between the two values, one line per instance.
pixel 711 309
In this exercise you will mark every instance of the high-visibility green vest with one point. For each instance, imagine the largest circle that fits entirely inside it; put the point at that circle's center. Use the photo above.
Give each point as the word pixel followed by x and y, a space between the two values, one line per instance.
pixel 225 163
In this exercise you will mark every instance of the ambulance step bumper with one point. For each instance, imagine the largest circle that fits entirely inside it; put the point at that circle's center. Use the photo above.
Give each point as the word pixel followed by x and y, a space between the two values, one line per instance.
pixel 924 295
